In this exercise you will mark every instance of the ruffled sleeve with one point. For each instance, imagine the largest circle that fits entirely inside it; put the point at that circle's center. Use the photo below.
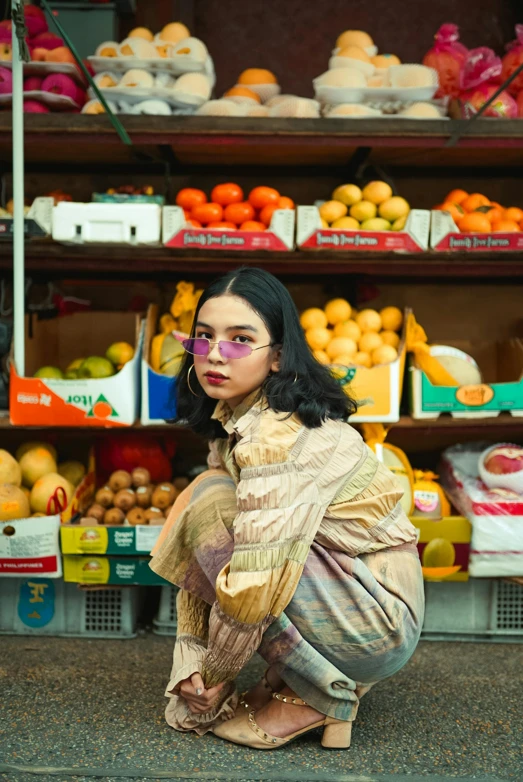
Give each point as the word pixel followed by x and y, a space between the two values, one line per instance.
pixel 288 476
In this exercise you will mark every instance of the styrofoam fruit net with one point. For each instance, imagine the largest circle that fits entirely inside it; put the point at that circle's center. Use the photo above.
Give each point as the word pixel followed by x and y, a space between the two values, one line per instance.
pixel 379 80
pixel 137 77
pixel 137 47
pixel 164 80
pixel 412 75
pixel 258 111
pixel 242 99
pixel 421 110
pixel 193 88
pixel 367 68
pixel 221 108
pixel 192 50
pixel 277 99
pixel 265 91
pixel 352 110
pixel 341 77
pixel 296 107
pixel 106 79
pixel 107 49
pixel 153 106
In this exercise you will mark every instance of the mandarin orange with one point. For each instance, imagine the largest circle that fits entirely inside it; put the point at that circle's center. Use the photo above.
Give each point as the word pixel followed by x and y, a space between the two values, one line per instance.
pixel 261 196
pixel 513 213
pixel 252 225
pixel 505 226
pixel 474 222
pixel 457 196
pixel 455 210
pixel 473 201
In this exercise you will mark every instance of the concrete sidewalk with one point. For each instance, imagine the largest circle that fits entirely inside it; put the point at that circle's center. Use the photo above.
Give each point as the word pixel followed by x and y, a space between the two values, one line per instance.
pixel 77 710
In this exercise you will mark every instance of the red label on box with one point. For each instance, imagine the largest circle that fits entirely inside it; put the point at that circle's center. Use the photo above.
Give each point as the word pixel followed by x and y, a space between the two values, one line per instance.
pixel 361 241
pixel 31 565
pixel 226 240
pixel 501 242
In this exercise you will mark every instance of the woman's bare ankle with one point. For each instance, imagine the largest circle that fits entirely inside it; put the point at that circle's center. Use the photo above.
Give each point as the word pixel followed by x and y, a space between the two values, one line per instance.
pixel 274 679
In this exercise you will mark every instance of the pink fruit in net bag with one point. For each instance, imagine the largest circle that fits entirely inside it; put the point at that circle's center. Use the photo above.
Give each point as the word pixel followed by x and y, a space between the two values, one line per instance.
pixel 35 20
pixel 6 81
pixel 32 83
pixel 479 80
pixel 447 57
pixel 60 84
pixel 35 107
pixel 501 467
pixel 512 60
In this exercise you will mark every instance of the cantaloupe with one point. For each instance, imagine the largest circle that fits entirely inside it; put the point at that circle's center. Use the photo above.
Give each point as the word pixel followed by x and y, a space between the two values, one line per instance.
pixel 10 471
pixel 13 503
pixel 45 487
pixel 36 463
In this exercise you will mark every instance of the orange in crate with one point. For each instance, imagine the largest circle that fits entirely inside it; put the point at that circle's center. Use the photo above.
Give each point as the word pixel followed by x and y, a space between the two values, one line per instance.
pixel 475 222
pixel 457 196
pixel 472 202
pixel 505 226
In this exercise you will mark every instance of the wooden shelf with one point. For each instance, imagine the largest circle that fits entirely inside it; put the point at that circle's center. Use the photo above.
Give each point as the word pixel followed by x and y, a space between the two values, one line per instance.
pixel 52 259
pixel 483 426
pixel 74 138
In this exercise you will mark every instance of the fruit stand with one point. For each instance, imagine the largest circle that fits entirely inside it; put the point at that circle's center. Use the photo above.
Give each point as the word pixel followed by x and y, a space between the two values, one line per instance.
pixel 378 225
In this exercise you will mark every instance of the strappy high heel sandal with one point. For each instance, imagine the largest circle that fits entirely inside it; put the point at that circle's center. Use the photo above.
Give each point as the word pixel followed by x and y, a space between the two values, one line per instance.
pixel 243 729
pixel 242 704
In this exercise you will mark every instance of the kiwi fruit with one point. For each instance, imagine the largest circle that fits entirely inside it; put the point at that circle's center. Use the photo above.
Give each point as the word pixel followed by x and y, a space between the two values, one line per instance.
pixel 96 511
pixel 163 496
pixel 114 516
pixel 121 479
pixel 136 516
pixel 143 496
pixel 140 477
pixel 181 483
pixel 104 497
pixel 153 515
pixel 125 499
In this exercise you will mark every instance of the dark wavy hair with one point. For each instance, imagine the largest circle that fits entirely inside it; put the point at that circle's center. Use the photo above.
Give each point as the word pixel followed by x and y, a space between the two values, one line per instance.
pixel 314 397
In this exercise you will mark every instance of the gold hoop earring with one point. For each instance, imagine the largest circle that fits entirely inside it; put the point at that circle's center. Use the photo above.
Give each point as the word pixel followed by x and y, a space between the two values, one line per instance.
pixel 189 381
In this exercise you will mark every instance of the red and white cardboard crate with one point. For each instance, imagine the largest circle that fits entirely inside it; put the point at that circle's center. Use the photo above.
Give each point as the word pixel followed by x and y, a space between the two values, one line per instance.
pixel 278 236
pixel 445 236
pixel 496 515
pixel 311 236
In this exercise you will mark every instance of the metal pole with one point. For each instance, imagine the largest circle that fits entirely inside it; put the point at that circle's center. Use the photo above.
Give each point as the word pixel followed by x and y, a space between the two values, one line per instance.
pixel 18 197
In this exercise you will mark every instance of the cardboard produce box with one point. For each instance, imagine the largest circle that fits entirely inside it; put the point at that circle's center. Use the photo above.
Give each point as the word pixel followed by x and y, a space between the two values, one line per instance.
pixel 278 236
pixel 453 530
pixel 111 401
pixel 311 235
pixel 501 365
pixel 158 401
pixel 445 236
pixel 110 570
pixel 99 539
pixel 377 390
pixel 37 223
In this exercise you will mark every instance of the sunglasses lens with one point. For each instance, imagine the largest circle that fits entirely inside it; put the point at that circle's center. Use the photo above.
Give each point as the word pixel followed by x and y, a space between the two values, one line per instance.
pixel 235 350
pixel 198 347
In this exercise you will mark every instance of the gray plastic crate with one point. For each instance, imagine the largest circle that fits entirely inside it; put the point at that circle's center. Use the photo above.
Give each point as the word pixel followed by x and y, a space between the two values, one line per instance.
pixel 47 606
pixel 481 609
pixel 166 622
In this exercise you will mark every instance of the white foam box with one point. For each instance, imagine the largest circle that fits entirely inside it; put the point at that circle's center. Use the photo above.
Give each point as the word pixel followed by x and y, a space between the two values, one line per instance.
pixel 37 223
pixel 278 236
pixel 445 236
pixel 108 402
pixel 311 235
pixel 79 223
pixel 158 402
pixel 496 515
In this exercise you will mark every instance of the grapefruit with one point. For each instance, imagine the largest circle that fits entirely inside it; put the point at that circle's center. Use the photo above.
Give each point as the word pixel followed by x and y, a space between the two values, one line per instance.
pixel 45 487
pixel 10 471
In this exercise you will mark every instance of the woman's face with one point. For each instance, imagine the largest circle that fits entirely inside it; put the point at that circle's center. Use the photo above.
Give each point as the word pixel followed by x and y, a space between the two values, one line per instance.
pixel 231 319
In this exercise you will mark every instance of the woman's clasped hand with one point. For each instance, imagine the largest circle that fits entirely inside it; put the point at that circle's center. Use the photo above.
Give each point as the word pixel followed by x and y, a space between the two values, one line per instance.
pixel 199 700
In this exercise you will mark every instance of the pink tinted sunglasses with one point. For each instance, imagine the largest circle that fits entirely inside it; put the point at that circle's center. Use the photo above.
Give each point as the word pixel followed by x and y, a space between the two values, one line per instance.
pixel 201 346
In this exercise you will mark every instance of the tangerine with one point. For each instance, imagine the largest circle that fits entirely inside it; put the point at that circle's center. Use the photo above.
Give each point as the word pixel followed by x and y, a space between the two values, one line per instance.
pixel 473 201
pixel 193 223
pixel 513 213
pixel 262 196
pixel 257 76
pixel 493 212
pixel 223 224
pixel 207 213
pixel 228 193
pixel 252 225
pixel 474 223
pixel 242 92
pixel 190 197
pixel 455 210
pixel 288 203
pixel 239 213
pixel 505 226
pixel 267 213
pixel 457 196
